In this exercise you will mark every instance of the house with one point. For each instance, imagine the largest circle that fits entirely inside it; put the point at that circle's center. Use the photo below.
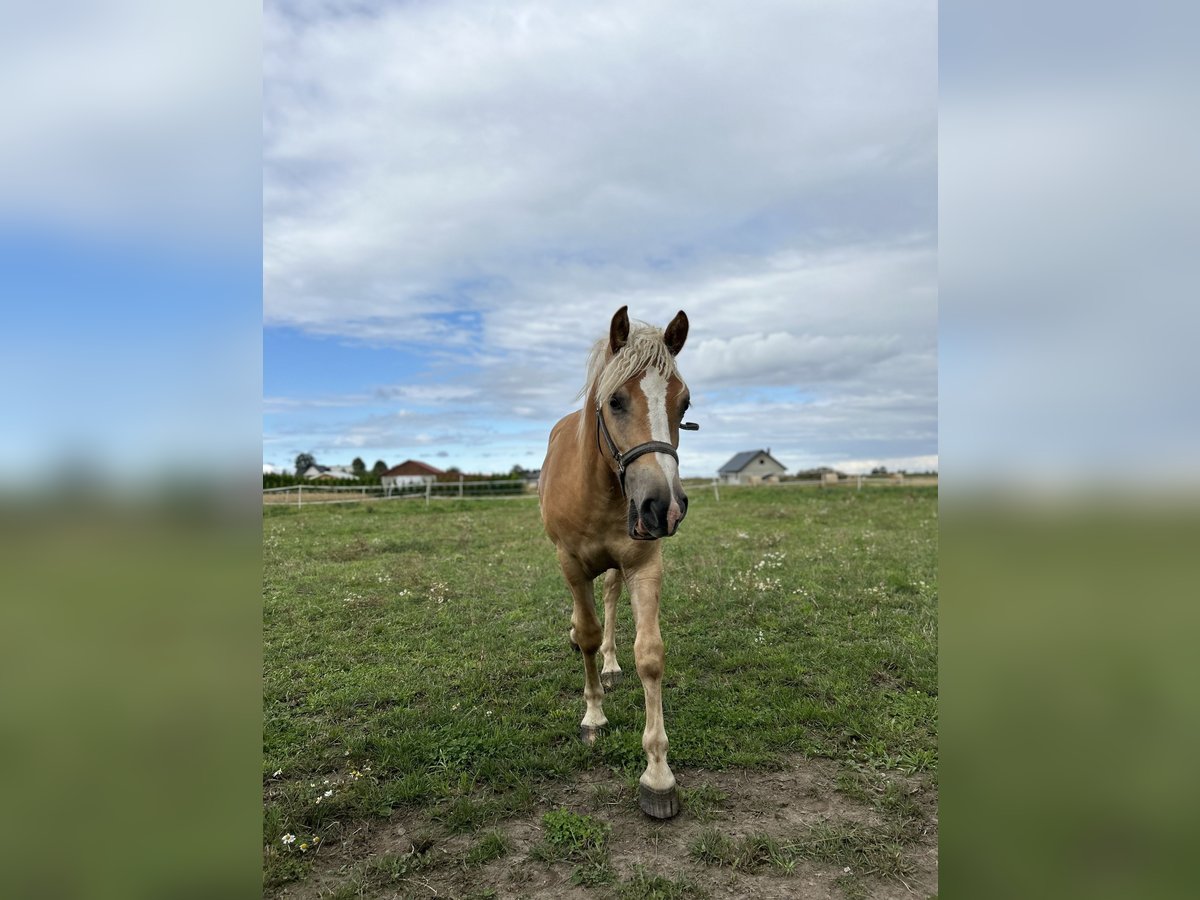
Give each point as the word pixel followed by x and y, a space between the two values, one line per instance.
pixel 329 473
pixel 409 472
pixel 751 467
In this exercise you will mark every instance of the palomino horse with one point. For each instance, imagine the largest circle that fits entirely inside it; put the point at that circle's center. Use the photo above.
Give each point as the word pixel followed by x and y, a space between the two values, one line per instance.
pixel 605 509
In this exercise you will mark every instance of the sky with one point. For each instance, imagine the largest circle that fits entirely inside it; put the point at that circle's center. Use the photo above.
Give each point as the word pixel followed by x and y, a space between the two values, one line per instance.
pixel 229 235
pixel 457 196
pixel 130 240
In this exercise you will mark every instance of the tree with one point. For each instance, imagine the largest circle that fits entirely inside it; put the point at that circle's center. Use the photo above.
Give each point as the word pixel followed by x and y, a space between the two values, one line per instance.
pixel 358 467
pixel 304 462
pixel 379 468
pixel 879 470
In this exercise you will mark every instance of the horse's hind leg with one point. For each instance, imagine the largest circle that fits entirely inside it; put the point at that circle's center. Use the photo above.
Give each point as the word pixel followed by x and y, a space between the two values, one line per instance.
pixel 610 675
pixel 585 635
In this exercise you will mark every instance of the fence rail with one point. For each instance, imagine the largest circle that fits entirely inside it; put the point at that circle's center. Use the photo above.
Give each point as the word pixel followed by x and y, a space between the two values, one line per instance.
pixel 850 482
pixel 511 488
pixel 301 494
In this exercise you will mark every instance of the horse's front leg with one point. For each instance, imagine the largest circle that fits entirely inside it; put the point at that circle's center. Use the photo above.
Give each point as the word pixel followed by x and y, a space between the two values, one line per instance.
pixel 657 793
pixel 610 674
pixel 585 637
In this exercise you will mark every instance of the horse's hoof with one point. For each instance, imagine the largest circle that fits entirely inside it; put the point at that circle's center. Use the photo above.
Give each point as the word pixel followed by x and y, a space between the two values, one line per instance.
pixel 659 804
pixel 589 733
pixel 611 679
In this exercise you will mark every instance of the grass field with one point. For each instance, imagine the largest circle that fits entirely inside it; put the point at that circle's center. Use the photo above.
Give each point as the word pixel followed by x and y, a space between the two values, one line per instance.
pixel 422 704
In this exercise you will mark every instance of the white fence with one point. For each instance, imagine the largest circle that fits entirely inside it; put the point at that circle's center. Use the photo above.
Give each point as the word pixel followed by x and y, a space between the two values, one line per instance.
pixel 853 482
pixel 511 488
pixel 301 494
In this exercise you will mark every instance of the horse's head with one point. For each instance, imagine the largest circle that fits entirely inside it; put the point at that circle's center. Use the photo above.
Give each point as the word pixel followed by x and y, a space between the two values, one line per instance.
pixel 639 414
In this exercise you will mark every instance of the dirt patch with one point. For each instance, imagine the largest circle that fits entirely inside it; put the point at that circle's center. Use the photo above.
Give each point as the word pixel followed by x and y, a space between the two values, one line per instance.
pixel 739 804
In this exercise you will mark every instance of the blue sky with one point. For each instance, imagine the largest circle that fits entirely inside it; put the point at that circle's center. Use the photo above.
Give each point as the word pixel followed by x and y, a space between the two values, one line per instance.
pixel 458 196
pixel 125 356
pixel 130 240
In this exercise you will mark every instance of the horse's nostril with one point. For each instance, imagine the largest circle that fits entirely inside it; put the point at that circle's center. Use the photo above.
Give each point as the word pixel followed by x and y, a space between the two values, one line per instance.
pixel 654 514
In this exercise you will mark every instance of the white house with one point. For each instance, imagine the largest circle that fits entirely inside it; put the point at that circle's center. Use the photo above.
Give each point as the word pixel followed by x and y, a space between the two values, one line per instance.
pixel 751 467
pixel 411 471
pixel 330 473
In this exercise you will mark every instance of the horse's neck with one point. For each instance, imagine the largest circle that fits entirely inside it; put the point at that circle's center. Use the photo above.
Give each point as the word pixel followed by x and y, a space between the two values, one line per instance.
pixel 595 473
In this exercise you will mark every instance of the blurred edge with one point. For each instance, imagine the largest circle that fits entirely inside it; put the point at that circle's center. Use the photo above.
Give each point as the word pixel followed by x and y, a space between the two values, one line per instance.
pixel 130 445
pixel 1068 683
pixel 130 647
pixel 1070 449
pixel 130 637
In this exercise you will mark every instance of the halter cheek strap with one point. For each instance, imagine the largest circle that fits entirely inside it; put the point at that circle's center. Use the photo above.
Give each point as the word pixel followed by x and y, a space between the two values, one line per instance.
pixel 623 460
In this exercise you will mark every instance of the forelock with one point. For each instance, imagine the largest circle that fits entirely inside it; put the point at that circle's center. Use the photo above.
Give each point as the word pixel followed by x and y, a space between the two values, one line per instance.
pixel 643 350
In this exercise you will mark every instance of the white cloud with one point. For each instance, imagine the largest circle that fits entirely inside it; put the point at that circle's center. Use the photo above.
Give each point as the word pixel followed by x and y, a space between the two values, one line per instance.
pixel 783 358
pixel 770 169
pixel 118 122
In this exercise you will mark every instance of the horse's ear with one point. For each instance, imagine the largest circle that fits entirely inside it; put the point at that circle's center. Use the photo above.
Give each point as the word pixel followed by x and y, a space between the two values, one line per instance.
pixel 676 333
pixel 618 332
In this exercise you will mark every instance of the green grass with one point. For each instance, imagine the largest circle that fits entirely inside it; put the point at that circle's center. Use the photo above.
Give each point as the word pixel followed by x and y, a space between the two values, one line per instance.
pixel 425 649
pixel 582 839
pixel 383 871
pixel 752 853
pixel 493 846
pixel 646 886
pixel 568 835
pixel 862 851
pixel 703 803
pixel 867 850
pixel 885 794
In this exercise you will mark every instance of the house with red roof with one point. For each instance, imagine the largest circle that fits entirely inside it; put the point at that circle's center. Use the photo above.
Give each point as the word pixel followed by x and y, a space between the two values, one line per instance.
pixel 409 472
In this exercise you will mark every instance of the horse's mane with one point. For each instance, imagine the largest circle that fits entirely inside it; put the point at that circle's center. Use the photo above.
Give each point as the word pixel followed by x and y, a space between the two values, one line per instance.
pixel 643 350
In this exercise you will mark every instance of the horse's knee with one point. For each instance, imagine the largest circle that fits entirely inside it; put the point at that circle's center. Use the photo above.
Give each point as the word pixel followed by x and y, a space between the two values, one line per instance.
pixel 586 637
pixel 649 655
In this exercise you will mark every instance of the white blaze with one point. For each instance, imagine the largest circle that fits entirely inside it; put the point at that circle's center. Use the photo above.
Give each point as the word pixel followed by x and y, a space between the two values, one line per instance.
pixel 654 386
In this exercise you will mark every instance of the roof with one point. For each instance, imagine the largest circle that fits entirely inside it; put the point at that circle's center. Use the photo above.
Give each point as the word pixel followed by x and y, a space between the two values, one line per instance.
pixel 743 459
pixel 413 467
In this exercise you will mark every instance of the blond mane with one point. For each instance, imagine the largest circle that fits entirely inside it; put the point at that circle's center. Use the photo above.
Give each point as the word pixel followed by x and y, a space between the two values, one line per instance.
pixel 644 350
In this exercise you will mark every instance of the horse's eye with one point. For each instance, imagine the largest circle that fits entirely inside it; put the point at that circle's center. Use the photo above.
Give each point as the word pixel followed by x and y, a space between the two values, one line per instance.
pixel 614 403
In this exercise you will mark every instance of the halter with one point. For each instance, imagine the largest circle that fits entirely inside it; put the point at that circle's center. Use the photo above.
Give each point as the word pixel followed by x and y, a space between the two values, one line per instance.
pixel 623 460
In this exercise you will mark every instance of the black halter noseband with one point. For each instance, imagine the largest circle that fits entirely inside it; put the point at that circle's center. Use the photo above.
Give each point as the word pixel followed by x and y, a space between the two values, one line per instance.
pixel 623 460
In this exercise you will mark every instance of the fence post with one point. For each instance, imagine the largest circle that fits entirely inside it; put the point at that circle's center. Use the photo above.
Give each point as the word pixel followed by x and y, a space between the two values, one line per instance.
pixel 716 490
pixel 860 481
pixel 299 496
pixel 460 485
pixel 428 491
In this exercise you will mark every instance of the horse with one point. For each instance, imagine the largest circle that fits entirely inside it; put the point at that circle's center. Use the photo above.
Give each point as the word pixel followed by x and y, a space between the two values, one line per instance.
pixel 606 509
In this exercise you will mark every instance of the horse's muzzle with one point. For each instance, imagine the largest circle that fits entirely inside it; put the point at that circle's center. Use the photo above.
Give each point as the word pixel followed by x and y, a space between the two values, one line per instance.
pixel 655 519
